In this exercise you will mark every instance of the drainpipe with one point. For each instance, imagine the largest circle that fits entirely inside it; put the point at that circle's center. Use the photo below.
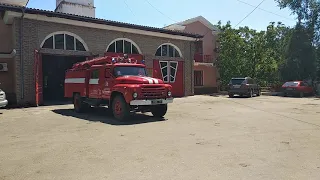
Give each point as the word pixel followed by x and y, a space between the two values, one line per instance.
pixel 21 53
pixel 192 70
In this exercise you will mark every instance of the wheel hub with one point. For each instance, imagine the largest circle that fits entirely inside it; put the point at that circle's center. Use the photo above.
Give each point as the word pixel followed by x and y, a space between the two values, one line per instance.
pixel 118 108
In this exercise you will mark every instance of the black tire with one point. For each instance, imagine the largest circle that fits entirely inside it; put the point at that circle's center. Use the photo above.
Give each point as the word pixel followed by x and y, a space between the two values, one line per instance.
pixel 120 108
pixel 159 110
pixel 231 95
pixel 79 105
pixel 301 94
pixel 259 92
pixel 250 95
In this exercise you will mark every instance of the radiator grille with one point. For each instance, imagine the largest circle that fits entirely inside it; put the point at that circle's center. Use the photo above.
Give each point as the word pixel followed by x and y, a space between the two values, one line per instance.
pixel 153 92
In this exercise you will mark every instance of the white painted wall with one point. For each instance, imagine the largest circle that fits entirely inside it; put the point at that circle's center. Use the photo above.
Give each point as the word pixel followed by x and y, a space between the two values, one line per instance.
pixel 14 2
pixel 83 2
pixel 58 2
pixel 78 7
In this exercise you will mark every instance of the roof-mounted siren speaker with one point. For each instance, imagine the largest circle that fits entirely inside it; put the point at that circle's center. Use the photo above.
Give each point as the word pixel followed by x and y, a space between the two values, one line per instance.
pixel 3 67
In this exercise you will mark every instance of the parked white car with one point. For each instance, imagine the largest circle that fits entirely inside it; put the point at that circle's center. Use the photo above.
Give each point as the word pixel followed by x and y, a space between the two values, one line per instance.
pixel 3 100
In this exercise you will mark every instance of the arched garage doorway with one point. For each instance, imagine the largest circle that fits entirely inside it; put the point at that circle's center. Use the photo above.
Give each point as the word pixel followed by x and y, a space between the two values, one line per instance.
pixel 57 53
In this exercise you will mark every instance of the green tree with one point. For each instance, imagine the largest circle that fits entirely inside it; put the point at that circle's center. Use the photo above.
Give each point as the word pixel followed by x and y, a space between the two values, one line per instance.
pixel 301 54
pixel 247 52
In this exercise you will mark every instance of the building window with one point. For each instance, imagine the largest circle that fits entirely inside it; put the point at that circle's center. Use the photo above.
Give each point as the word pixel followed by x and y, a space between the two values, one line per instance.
pixel 198 78
pixel 125 46
pixel 168 50
pixel 64 41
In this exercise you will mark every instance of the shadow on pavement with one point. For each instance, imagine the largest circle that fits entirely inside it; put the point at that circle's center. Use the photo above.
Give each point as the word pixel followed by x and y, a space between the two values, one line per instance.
pixel 102 114
pixel 56 103
pixel 239 97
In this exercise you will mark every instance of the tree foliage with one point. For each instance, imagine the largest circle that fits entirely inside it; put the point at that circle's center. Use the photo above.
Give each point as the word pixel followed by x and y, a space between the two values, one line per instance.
pixel 247 52
pixel 277 54
pixel 304 44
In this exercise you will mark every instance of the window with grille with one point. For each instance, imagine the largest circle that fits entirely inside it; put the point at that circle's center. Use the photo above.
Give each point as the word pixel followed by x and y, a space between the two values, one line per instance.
pixel 123 46
pixel 64 41
pixel 168 50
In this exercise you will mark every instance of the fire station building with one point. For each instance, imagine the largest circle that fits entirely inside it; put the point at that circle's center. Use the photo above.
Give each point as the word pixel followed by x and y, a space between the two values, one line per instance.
pixel 38 46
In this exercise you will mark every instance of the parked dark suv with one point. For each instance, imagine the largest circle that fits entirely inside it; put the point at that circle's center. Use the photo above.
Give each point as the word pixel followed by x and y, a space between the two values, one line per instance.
pixel 243 87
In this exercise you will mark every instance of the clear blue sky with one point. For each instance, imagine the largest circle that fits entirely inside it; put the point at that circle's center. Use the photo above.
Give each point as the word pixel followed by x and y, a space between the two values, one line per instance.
pixel 140 12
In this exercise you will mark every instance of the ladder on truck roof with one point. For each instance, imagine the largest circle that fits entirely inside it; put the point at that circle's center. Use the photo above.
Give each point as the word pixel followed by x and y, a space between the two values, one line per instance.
pixel 104 60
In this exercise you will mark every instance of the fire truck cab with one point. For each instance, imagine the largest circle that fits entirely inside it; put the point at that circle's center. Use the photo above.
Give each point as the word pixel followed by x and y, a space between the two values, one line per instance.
pixel 121 83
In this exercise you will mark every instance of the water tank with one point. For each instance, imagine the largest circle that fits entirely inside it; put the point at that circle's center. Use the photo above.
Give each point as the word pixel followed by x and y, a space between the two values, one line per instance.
pixel 77 7
pixel 81 2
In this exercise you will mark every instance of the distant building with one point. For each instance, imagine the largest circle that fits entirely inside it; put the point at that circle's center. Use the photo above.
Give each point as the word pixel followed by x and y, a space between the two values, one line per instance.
pixel 77 7
pixel 206 75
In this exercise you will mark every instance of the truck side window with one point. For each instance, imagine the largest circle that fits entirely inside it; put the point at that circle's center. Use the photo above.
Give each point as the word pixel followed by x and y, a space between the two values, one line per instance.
pixel 95 74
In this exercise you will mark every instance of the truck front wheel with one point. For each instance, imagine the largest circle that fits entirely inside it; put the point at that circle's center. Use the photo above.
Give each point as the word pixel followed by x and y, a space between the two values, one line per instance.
pixel 120 108
pixel 159 110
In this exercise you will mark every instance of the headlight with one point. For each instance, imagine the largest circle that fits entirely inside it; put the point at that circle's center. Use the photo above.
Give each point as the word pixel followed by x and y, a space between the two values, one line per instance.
pixel 169 93
pixel 135 95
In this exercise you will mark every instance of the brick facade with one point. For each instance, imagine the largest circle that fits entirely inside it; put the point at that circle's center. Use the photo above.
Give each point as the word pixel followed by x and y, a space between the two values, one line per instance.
pixel 97 40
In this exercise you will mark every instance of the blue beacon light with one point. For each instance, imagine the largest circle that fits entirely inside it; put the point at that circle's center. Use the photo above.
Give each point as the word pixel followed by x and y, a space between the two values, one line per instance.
pixel 143 62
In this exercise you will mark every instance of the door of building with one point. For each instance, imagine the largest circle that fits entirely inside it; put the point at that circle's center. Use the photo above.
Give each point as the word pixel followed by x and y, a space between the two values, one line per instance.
pixel 38 77
pixel 171 72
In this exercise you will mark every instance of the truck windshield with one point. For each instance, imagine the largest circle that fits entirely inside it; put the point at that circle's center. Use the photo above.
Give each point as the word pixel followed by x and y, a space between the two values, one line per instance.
pixel 129 71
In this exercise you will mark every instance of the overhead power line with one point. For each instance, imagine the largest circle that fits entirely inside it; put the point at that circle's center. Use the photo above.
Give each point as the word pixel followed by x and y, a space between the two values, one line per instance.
pixel 124 1
pixel 266 10
pixel 250 13
pixel 160 11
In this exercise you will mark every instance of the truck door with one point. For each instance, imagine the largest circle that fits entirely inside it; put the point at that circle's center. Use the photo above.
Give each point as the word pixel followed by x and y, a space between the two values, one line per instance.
pixel 94 87
pixel 108 84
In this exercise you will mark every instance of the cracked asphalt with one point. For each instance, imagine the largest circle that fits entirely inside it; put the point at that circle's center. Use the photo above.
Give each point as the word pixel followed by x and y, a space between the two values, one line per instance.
pixel 201 137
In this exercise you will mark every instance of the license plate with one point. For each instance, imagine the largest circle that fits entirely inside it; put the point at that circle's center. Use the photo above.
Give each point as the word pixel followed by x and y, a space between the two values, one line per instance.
pixel 236 86
pixel 289 89
pixel 156 101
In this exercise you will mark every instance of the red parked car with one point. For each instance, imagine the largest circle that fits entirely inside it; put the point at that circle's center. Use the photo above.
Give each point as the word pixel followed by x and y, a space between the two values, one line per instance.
pixel 299 88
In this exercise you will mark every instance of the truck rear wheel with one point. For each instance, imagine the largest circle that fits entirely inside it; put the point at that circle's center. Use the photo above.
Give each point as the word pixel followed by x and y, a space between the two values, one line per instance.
pixel 79 105
pixel 159 110
pixel 120 108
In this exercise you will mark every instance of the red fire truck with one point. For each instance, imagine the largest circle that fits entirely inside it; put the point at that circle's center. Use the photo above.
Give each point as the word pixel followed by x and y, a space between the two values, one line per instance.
pixel 121 83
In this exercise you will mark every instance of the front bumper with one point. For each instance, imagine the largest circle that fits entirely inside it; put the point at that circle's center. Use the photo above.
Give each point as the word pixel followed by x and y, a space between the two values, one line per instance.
pixel 3 103
pixel 151 102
